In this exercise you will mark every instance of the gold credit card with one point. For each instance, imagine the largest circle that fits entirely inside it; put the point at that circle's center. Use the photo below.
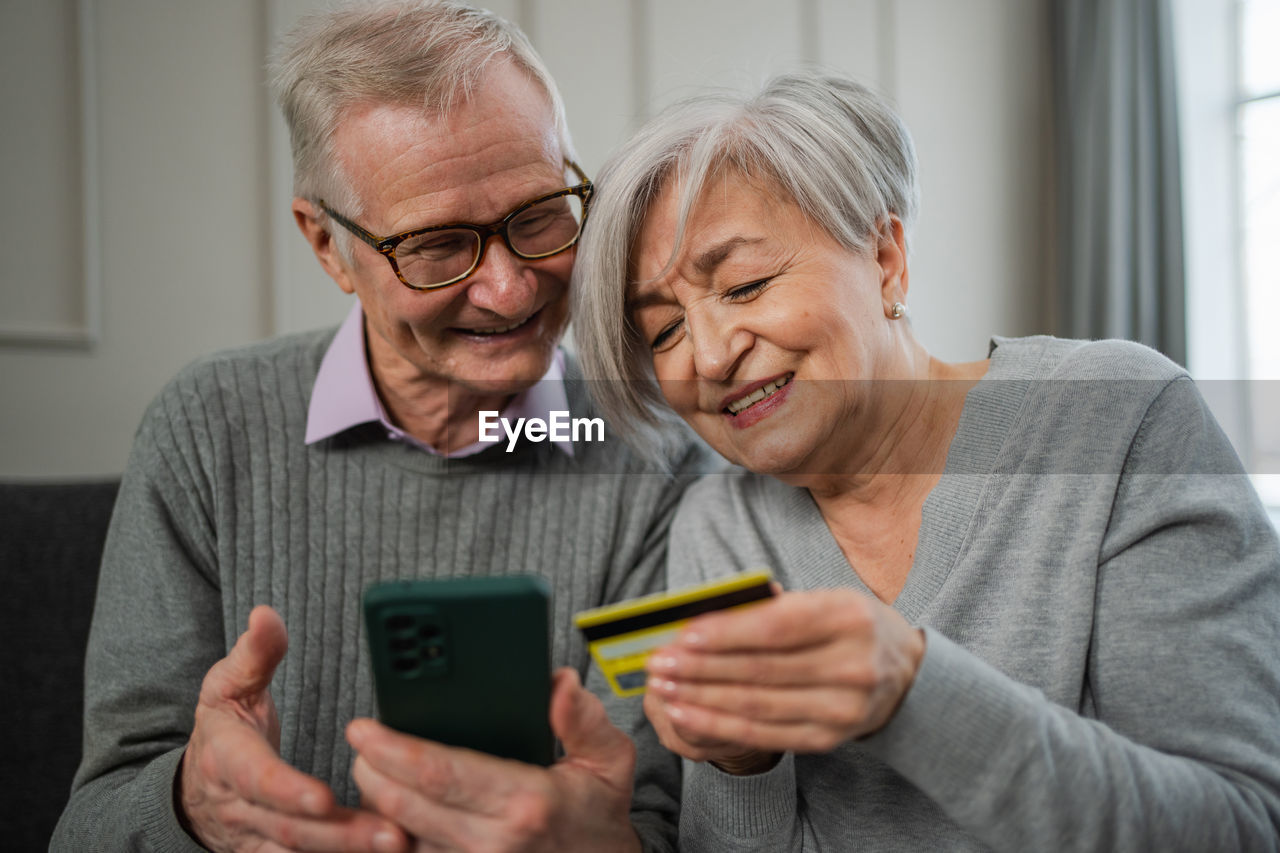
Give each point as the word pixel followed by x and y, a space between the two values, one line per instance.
pixel 622 636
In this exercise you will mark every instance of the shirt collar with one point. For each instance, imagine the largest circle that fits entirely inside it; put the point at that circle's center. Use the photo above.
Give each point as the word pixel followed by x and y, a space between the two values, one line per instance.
pixel 343 395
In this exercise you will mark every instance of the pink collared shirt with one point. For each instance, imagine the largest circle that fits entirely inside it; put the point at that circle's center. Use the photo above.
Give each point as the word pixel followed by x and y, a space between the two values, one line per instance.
pixel 343 395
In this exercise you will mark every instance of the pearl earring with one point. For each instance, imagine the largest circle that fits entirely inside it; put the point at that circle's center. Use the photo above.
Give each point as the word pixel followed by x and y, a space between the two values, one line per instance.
pixel 898 311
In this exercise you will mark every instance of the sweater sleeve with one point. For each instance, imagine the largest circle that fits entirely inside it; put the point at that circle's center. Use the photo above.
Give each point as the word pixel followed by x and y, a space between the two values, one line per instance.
pixel 1180 749
pixel 725 812
pixel 156 630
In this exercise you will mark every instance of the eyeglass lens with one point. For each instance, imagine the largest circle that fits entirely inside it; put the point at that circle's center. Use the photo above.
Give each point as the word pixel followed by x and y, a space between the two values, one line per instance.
pixel 437 257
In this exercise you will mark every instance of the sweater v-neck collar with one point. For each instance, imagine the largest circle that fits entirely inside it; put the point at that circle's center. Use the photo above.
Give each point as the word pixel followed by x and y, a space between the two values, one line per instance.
pixel 992 406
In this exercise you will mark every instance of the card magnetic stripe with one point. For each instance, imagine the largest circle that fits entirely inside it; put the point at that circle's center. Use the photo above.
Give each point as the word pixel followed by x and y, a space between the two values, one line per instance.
pixel 678 612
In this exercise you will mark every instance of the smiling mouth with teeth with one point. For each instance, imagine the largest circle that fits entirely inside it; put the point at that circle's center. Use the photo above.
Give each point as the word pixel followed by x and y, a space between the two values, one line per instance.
pixel 500 330
pixel 757 395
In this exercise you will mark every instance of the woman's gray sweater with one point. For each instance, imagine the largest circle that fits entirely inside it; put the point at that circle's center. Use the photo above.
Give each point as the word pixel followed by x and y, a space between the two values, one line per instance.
pixel 1100 590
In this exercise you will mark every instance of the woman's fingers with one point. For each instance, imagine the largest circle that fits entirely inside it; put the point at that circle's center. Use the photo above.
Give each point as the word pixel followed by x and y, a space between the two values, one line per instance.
pixel 681 741
pixel 845 710
pixel 846 662
pixel 793 620
pixel 806 672
pixel 800 737
pixel 798 639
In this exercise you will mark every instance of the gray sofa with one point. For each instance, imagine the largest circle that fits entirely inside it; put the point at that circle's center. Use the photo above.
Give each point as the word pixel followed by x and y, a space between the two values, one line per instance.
pixel 51 538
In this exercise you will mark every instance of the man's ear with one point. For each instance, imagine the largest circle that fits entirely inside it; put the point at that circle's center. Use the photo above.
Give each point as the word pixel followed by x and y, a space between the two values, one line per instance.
pixel 891 255
pixel 308 216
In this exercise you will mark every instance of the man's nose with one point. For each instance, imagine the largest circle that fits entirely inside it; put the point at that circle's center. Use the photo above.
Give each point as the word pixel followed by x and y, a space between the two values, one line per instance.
pixel 503 283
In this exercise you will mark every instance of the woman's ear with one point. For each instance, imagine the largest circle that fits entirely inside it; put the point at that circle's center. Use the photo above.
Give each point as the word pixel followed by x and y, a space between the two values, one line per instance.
pixel 308 216
pixel 891 255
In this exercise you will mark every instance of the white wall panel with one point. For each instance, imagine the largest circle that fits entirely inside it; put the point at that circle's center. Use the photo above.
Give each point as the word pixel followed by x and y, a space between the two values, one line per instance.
pixel 513 10
pixel 199 250
pixel 302 295
pixel 736 44
pixel 972 87
pixel 181 218
pixel 852 36
pixel 589 48
pixel 48 176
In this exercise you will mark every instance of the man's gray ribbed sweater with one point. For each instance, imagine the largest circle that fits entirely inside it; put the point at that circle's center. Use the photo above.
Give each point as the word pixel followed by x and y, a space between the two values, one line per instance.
pixel 224 507
pixel 1100 590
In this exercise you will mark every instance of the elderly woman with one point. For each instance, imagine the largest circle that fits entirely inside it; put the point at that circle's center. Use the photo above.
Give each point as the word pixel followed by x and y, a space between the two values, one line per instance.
pixel 1032 602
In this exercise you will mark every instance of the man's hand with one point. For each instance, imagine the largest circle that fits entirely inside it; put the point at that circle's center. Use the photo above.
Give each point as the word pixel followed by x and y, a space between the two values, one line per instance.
pixel 804 672
pixel 234 791
pixel 457 799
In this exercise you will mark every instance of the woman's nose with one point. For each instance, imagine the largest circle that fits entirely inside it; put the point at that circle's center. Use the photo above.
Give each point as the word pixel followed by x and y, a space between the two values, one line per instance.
pixel 718 343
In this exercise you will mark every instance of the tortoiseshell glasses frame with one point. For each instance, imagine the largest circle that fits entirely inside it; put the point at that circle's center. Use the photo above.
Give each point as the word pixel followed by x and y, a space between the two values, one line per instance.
pixel 386 246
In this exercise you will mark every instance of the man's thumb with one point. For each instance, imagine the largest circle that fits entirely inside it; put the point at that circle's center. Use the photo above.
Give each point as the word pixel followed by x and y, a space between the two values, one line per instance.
pixel 252 661
pixel 579 720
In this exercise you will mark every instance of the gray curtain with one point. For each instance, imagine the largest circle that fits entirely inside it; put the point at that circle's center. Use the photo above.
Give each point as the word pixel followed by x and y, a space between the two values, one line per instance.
pixel 1119 214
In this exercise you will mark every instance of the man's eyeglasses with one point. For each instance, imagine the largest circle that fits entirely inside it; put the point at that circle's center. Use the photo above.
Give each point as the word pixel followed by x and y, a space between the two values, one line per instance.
pixel 442 255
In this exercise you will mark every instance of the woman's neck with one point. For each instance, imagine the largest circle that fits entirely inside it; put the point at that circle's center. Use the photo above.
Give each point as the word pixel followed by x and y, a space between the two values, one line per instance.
pixel 873 507
pixel 902 435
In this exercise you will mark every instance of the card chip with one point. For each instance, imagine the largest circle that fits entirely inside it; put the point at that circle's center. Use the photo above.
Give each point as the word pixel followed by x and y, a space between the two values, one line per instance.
pixel 633 680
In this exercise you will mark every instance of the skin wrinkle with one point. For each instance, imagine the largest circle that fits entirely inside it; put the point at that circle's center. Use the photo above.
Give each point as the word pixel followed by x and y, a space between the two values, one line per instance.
pixel 406 215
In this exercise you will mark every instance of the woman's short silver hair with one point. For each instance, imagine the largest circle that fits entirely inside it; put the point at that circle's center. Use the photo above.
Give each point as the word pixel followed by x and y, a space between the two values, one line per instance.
pixel 821 141
pixel 427 53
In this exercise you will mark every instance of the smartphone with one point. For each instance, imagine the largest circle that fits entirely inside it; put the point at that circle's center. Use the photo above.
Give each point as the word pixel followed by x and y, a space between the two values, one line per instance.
pixel 465 662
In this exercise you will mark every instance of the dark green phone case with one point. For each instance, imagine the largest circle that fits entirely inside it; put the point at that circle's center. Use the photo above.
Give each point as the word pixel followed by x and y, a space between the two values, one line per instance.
pixel 465 662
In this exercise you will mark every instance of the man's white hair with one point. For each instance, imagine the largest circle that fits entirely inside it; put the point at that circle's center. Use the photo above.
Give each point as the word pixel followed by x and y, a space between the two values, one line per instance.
pixel 426 53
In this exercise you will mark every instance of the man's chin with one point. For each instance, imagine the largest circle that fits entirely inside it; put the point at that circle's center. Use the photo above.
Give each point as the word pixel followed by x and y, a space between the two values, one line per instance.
pixel 519 377
pixel 498 367
pixel 493 387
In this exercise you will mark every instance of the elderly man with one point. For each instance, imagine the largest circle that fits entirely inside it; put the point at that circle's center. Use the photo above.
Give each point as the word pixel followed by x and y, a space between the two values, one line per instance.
pixel 435 181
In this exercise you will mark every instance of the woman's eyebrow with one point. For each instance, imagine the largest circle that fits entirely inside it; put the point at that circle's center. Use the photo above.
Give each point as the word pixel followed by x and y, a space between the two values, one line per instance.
pixel 706 262
pixel 635 301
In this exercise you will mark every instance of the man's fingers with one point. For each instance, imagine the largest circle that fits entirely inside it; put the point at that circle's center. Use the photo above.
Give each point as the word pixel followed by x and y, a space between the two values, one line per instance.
pixel 433 825
pixel 251 768
pixel 343 831
pixel 452 776
pixel 234 786
pixel 578 718
pixel 248 667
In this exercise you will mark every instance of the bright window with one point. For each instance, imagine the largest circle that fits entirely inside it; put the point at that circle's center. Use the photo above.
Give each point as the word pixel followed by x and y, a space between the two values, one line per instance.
pixel 1258 135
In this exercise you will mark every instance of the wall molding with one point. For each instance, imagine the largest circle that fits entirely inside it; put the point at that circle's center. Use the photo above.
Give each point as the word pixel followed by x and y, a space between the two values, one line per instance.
pixel 89 331
pixel 280 186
